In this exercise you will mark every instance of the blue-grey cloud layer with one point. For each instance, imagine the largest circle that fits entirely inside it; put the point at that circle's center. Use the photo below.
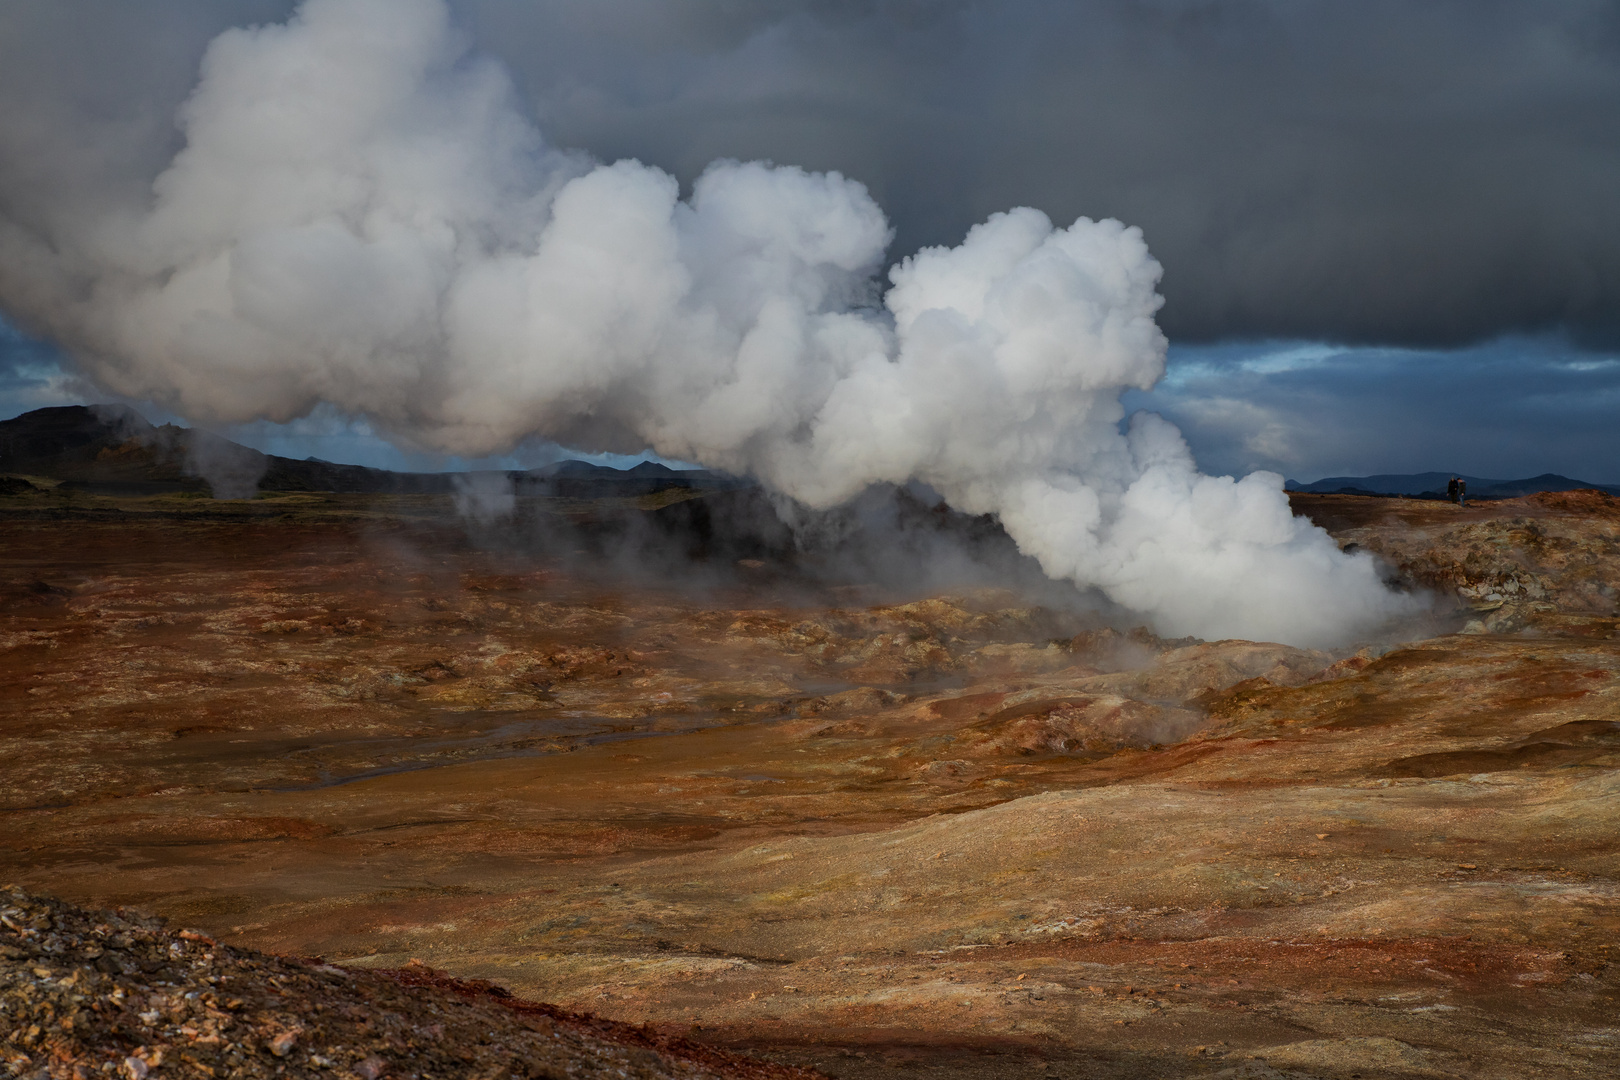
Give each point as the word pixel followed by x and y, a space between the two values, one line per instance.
pixel 1509 409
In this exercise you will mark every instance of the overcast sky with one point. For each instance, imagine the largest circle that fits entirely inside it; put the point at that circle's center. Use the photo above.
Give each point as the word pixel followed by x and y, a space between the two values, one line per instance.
pixel 1390 231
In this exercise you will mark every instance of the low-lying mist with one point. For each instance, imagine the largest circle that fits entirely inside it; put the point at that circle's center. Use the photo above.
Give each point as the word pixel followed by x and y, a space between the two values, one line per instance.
pixel 746 546
pixel 889 544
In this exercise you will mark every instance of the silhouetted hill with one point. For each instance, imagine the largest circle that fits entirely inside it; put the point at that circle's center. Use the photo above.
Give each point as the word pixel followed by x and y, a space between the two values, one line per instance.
pixel 112 449
pixel 1507 489
pixel 1433 484
pixel 583 480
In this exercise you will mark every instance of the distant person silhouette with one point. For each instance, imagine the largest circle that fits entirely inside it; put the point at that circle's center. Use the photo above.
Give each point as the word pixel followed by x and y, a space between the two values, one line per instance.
pixel 1451 490
pixel 1462 492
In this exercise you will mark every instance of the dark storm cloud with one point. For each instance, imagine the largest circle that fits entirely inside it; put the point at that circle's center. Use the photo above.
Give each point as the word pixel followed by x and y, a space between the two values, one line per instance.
pixel 1379 172
pixel 1421 173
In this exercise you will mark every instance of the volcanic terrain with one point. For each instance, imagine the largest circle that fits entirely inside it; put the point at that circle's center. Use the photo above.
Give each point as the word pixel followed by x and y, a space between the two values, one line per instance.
pixel 976 831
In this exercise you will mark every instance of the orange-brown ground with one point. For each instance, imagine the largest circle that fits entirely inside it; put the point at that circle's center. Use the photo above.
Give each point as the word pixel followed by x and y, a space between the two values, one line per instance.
pixel 966 834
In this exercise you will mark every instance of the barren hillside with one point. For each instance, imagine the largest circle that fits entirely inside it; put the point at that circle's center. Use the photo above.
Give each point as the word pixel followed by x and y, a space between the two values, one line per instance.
pixel 972 833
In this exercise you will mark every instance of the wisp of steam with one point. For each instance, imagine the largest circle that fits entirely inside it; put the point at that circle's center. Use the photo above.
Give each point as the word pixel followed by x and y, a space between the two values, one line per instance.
pixel 362 215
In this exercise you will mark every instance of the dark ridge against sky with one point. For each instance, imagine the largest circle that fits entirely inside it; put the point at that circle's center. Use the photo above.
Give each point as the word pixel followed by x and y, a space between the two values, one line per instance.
pixel 1432 190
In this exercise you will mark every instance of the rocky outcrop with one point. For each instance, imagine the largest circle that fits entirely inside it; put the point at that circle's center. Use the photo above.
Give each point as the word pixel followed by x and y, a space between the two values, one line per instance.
pixel 118 994
pixel 1506 563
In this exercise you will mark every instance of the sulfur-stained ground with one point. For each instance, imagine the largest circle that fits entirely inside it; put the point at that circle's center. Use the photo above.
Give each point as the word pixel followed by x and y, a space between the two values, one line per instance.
pixel 977 834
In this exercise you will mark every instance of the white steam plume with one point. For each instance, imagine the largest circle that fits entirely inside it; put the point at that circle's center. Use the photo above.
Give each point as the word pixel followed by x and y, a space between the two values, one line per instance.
pixel 362 215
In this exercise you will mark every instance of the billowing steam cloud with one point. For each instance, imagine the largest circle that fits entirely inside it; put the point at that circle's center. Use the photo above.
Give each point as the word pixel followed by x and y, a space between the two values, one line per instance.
pixel 362 216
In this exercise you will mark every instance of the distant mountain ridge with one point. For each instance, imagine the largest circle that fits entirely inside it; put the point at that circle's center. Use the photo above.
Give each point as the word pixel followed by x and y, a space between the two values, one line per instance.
pixel 1433 484
pixel 112 449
